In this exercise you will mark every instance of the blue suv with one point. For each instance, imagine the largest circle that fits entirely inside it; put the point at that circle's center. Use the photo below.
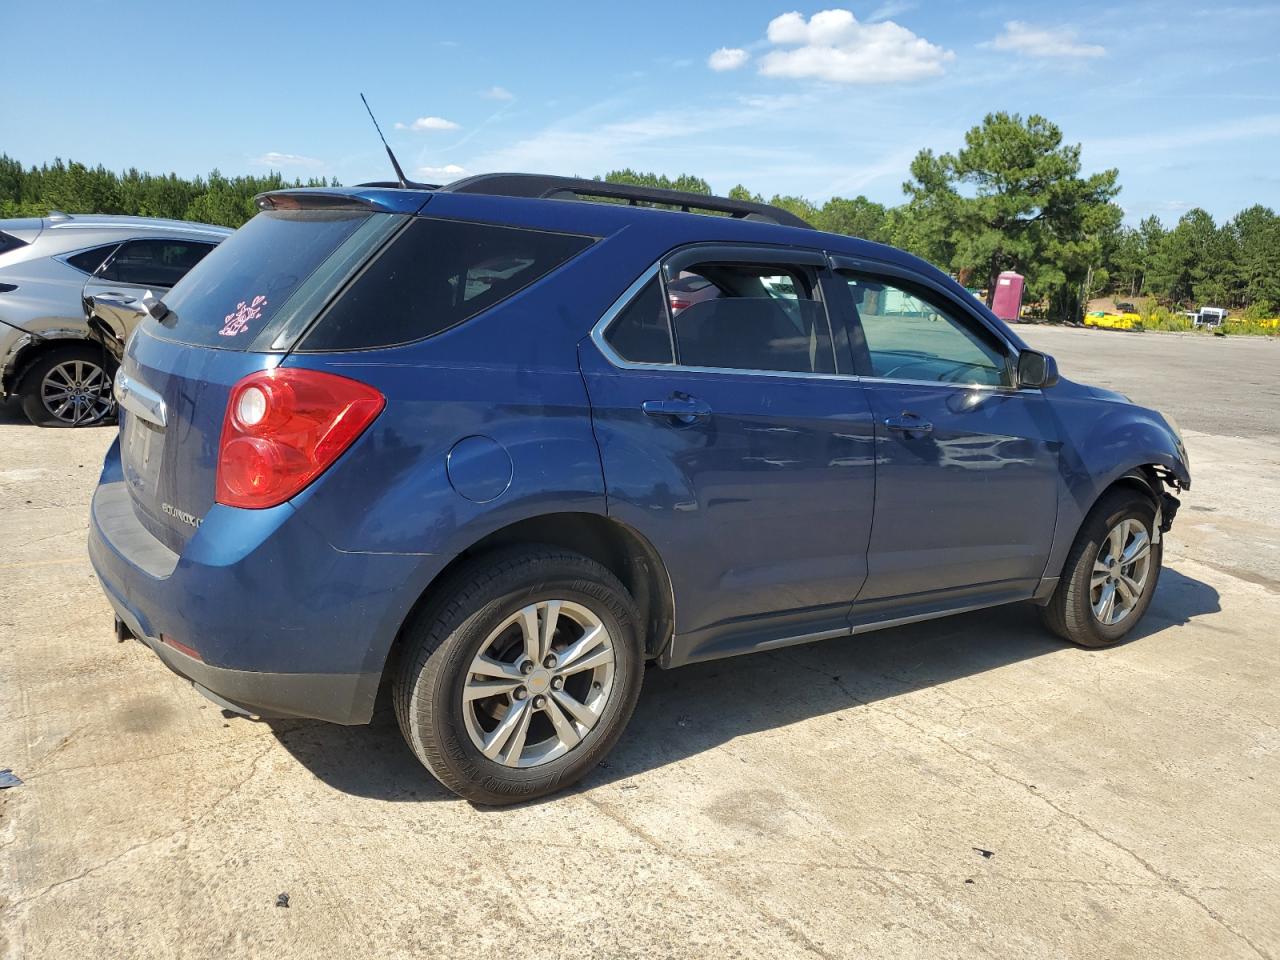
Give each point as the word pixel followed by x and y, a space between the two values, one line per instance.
pixel 497 445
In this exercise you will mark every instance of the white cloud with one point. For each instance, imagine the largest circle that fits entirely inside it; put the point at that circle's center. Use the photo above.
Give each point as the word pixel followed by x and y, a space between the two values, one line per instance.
pixel 890 9
pixel 280 160
pixel 450 171
pixel 727 58
pixel 834 46
pixel 1255 131
pixel 1031 41
pixel 498 93
pixel 428 123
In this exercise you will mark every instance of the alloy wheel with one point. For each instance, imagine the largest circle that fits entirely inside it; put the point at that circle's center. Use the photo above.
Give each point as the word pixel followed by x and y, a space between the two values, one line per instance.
pixel 77 392
pixel 539 683
pixel 1120 572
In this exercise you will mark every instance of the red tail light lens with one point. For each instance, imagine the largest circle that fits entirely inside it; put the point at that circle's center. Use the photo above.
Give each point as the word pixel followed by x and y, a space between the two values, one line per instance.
pixel 283 428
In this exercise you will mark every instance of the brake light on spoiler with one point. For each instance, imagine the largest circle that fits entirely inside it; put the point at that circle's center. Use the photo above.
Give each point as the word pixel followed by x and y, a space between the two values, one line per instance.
pixel 285 427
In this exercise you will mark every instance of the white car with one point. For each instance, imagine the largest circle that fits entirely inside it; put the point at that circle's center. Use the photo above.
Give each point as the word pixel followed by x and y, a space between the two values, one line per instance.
pixel 48 267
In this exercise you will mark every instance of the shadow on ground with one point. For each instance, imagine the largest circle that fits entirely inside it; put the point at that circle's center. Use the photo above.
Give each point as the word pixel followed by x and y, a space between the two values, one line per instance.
pixel 686 711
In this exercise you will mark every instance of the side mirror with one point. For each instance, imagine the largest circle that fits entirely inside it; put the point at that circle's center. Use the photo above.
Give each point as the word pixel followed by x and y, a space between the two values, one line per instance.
pixel 1036 369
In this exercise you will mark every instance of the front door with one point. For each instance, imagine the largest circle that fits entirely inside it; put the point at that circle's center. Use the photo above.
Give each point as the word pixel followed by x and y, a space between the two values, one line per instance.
pixel 734 440
pixel 967 464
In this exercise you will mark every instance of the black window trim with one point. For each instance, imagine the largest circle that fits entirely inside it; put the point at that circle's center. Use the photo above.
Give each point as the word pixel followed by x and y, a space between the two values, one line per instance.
pixel 670 264
pixel 841 263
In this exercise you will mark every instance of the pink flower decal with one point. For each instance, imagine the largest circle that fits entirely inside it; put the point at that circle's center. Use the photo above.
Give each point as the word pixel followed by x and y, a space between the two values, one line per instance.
pixel 238 320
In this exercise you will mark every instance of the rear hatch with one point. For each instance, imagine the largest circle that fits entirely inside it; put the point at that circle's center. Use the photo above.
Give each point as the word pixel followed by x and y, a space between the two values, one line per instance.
pixel 237 312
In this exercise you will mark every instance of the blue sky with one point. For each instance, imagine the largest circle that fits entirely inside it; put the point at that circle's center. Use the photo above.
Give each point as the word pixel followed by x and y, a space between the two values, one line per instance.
pixel 1182 97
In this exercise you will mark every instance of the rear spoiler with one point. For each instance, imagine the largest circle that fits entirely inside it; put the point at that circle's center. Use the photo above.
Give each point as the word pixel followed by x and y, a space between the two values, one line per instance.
pixel 356 199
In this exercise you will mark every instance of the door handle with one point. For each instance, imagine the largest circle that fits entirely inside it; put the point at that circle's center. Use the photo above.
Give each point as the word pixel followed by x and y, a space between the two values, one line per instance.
pixel 681 409
pixel 909 423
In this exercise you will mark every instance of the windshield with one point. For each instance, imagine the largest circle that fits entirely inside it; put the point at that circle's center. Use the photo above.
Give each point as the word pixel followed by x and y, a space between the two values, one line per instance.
pixel 234 292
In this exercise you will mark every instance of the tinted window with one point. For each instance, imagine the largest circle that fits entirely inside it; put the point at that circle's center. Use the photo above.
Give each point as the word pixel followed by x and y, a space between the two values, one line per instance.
pixel 8 243
pixel 435 275
pixel 154 263
pixel 749 317
pixel 233 292
pixel 641 333
pixel 910 338
pixel 91 260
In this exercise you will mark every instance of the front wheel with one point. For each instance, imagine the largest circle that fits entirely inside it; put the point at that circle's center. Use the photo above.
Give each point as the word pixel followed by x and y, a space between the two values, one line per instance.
pixel 520 674
pixel 1111 573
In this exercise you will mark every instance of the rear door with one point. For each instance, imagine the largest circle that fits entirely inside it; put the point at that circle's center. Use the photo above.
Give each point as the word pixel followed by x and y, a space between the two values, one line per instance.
pixel 967 464
pixel 135 267
pixel 735 439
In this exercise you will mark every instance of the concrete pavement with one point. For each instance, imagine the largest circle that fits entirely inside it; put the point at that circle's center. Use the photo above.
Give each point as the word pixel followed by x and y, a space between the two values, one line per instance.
pixel 964 788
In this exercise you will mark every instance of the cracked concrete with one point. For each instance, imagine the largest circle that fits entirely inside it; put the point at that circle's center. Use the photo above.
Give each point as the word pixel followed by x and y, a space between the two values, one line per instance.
pixel 824 801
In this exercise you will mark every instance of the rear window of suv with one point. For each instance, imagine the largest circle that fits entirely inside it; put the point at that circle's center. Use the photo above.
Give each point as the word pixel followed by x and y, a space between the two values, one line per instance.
pixel 255 275
pixel 436 275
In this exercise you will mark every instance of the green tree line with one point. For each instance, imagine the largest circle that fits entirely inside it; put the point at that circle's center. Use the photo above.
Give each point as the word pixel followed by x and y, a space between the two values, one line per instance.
pixel 75 188
pixel 1012 197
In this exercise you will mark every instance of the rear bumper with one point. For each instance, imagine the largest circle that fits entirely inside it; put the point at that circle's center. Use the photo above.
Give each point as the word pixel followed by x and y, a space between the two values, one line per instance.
pixel 281 623
pixel 336 697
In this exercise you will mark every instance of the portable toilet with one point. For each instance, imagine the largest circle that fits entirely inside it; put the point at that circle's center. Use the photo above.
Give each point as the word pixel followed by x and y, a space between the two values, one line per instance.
pixel 1007 302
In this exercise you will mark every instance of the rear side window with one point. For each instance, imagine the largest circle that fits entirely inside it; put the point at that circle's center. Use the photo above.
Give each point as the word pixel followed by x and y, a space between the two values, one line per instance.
pixel 231 295
pixel 154 263
pixel 90 260
pixel 436 275
pixel 641 333
pixel 8 243
pixel 750 317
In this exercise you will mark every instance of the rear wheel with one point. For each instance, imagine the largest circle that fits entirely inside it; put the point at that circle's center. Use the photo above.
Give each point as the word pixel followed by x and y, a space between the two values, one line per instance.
pixel 1111 573
pixel 69 386
pixel 520 675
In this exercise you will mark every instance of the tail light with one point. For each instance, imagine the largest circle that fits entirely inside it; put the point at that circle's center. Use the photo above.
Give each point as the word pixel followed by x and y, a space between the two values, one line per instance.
pixel 283 428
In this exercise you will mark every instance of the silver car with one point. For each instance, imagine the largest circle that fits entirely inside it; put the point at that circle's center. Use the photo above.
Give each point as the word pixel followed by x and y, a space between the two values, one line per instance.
pixel 51 269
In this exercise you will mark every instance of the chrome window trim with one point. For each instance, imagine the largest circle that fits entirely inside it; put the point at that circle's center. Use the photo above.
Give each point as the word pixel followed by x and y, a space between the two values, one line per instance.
pixel 995 388
pixel 601 328
pixel 599 331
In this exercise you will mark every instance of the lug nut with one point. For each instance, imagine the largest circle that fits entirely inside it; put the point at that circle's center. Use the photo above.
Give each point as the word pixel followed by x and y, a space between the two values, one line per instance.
pixel 539 702
pixel 557 683
pixel 526 667
pixel 549 662
pixel 521 693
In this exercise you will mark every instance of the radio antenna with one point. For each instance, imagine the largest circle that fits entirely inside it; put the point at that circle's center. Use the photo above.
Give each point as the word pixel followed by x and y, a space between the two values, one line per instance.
pixel 404 181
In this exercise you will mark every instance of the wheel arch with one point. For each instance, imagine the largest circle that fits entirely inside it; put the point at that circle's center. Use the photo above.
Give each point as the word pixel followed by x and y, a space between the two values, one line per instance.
pixel 1149 477
pixel 28 351
pixel 618 547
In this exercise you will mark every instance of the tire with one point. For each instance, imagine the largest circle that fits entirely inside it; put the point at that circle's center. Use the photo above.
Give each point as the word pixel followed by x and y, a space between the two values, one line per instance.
pixel 96 406
pixel 465 618
pixel 1070 612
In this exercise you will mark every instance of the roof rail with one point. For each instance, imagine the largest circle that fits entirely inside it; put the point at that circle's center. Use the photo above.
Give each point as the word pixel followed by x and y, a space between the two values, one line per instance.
pixel 571 188
pixel 413 185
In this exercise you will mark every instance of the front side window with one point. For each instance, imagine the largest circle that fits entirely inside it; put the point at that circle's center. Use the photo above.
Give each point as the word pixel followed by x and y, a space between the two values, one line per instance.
pixel 911 338
pixel 154 263
pixel 749 316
